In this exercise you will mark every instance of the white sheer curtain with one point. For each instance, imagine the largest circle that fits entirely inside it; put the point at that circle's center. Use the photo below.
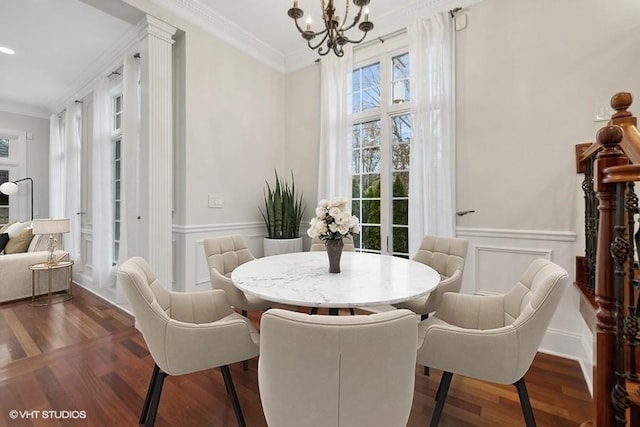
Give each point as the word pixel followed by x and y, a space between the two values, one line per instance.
pixel 334 166
pixel 57 180
pixel 130 166
pixel 101 191
pixel 72 207
pixel 130 158
pixel 432 163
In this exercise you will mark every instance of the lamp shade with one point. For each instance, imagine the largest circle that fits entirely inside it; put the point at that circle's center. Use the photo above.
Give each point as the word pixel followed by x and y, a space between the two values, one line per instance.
pixel 9 188
pixel 51 226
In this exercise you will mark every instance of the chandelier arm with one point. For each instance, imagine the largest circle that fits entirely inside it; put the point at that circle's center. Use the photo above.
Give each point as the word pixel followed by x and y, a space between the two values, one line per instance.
pixel 353 24
pixel 348 40
pixel 320 43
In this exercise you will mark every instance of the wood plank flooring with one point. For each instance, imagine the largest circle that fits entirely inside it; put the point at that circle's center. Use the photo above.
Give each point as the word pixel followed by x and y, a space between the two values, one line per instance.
pixel 85 355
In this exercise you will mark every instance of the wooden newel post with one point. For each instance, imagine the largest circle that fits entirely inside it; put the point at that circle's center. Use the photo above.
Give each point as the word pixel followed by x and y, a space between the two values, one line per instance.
pixel 609 138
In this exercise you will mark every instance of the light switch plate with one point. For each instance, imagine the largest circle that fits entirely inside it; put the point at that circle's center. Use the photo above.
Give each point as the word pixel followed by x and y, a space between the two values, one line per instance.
pixel 216 201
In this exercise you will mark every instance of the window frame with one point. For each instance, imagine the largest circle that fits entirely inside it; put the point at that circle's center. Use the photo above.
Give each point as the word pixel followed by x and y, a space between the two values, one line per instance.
pixel 384 54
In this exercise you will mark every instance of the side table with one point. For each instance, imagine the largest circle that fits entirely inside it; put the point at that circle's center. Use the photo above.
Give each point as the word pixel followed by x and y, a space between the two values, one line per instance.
pixel 49 298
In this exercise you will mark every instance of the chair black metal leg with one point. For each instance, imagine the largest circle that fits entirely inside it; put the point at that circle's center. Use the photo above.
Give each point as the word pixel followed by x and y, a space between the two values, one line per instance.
pixel 155 399
pixel 226 374
pixel 147 400
pixel 245 363
pixel 441 396
pixel 424 317
pixel 527 411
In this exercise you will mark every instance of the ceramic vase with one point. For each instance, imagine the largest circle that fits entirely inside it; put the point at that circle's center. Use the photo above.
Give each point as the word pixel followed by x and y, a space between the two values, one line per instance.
pixel 334 251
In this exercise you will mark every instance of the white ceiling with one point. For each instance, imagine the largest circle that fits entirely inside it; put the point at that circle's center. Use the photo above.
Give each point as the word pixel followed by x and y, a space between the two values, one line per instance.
pixel 58 42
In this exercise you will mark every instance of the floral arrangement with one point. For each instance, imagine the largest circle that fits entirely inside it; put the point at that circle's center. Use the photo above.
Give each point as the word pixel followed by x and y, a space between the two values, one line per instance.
pixel 333 221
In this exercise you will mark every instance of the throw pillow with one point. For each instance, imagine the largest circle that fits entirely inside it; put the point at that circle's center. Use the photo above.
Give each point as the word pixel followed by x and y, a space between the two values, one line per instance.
pixel 4 238
pixel 3 229
pixel 19 242
pixel 17 227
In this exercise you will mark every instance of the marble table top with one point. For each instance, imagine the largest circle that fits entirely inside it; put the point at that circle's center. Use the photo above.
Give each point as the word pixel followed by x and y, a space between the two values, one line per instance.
pixel 303 278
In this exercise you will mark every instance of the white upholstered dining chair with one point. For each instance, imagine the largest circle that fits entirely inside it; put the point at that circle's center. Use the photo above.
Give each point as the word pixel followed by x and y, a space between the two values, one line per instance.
pixel 447 256
pixel 224 254
pixel 337 370
pixel 492 337
pixel 185 332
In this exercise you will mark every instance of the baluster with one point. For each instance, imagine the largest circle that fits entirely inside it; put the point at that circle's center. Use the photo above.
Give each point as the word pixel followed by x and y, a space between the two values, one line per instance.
pixel 620 253
pixel 631 319
pixel 591 226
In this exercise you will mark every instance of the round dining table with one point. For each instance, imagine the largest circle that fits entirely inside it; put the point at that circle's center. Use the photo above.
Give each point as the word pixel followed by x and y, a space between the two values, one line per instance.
pixel 365 280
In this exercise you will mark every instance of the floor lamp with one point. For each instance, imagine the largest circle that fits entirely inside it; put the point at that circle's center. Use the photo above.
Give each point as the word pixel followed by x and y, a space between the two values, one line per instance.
pixel 11 187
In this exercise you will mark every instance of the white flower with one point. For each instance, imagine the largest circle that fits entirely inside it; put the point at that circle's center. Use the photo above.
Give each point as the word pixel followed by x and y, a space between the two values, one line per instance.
pixel 333 220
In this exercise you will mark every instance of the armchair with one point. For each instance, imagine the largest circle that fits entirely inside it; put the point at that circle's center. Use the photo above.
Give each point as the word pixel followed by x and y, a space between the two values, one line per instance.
pixel 185 332
pixel 492 338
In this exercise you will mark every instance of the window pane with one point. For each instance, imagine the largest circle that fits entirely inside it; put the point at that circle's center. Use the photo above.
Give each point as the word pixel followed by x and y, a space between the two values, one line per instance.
pixel 401 184
pixel 356 159
pixel 370 98
pixel 401 154
pixel 401 128
pixel 371 237
pixel 400 212
pixel 371 211
pixel 400 79
pixel 366 88
pixel 371 160
pixel 371 186
pixel 355 189
pixel 355 208
pixel 401 66
pixel 370 133
pixel 400 240
pixel 4 147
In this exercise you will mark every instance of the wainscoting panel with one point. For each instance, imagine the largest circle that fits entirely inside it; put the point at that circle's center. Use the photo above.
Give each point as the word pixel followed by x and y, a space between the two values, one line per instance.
pixel 190 263
pixel 499 267
pixel 497 258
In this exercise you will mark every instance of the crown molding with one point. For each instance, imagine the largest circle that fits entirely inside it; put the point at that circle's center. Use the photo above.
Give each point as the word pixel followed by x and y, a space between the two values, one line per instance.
pixel 203 16
pixel 110 59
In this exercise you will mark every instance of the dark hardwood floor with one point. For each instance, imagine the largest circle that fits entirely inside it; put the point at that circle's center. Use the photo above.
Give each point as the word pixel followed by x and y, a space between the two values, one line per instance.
pixel 86 356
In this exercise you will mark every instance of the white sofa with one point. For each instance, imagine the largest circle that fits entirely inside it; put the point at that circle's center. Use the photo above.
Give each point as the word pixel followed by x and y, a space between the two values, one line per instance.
pixel 15 276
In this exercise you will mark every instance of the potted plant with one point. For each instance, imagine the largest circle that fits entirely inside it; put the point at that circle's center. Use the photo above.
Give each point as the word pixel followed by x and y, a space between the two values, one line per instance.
pixel 282 214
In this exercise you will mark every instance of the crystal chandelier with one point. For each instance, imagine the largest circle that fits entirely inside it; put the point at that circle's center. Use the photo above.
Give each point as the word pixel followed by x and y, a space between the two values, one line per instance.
pixel 333 37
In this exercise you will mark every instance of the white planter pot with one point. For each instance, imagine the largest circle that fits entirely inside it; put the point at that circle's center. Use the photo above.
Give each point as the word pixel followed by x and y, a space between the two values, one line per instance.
pixel 281 246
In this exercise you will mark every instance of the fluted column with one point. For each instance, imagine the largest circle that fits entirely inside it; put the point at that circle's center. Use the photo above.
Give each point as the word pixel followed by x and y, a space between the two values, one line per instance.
pixel 156 145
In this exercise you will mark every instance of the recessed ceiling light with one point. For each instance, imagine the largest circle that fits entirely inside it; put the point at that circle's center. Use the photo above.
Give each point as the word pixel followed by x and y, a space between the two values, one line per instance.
pixel 6 50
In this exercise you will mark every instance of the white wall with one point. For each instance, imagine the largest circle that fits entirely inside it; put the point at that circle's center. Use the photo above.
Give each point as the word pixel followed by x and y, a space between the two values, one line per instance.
pixel 528 76
pixel 230 139
pixel 37 157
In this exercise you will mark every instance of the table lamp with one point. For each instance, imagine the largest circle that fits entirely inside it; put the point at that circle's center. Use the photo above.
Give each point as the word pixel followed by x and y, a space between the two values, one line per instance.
pixel 51 227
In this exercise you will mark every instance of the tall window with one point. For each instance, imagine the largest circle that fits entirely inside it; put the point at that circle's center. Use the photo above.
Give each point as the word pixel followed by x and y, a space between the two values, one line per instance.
pixel 381 144
pixel 116 141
